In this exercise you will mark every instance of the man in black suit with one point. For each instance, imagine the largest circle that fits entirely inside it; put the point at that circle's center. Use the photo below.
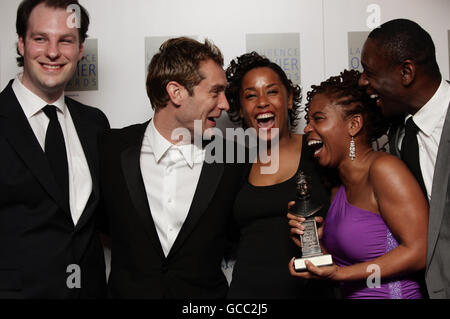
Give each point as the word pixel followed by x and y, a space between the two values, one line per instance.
pixel 49 247
pixel 168 204
pixel 401 72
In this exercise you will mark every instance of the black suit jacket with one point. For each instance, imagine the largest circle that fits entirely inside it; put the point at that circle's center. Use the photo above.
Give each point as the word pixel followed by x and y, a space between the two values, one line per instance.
pixel 38 240
pixel 139 268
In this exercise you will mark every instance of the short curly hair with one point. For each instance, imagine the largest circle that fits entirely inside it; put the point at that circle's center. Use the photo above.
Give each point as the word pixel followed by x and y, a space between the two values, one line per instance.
pixel 353 100
pixel 236 72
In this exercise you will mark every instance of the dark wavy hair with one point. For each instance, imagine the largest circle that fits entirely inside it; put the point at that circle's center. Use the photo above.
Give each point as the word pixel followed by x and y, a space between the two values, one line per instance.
pixel 236 72
pixel 178 59
pixel 353 100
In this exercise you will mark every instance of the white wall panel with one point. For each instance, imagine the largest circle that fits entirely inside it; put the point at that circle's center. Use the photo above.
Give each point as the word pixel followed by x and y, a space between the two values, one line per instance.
pixel 121 27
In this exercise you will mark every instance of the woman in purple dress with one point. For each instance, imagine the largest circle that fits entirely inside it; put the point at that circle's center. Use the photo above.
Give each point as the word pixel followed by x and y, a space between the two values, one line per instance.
pixel 376 227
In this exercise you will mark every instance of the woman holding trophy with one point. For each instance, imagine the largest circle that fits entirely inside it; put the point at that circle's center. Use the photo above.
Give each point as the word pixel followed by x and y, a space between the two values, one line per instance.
pixel 262 98
pixel 376 227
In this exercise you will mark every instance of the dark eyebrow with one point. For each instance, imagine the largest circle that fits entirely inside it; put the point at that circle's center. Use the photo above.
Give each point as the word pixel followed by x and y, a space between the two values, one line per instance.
pixel 218 87
pixel 38 34
pixel 66 35
pixel 268 87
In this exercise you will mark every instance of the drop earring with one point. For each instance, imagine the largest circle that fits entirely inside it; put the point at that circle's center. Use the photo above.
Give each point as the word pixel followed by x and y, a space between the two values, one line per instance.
pixel 352 153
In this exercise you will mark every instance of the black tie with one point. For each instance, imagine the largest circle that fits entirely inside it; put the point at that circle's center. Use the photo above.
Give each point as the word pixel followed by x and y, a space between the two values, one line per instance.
pixel 410 152
pixel 55 149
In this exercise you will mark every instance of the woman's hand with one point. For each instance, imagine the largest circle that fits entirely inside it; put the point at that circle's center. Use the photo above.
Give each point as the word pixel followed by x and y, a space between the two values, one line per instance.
pixel 297 229
pixel 313 272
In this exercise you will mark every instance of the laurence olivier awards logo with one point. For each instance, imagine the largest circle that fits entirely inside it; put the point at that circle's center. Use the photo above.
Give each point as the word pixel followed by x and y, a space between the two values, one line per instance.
pixel 281 48
pixel 86 75
pixel 355 44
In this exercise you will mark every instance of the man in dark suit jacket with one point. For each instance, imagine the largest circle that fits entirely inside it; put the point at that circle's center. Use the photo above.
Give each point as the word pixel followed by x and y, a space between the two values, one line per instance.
pixel 49 246
pixel 401 72
pixel 168 203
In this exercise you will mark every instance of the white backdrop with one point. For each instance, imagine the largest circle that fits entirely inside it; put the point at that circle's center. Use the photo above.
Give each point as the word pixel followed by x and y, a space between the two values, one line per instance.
pixel 121 27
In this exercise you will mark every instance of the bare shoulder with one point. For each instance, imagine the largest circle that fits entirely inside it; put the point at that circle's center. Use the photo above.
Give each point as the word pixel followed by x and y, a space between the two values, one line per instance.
pixel 390 177
pixel 386 165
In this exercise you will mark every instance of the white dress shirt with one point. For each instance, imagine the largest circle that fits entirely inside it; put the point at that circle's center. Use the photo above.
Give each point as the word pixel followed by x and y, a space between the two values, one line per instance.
pixel 80 181
pixel 430 120
pixel 171 174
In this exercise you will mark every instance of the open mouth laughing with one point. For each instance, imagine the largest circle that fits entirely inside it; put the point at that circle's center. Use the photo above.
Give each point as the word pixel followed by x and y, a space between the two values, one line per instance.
pixel 377 98
pixel 212 120
pixel 265 120
pixel 317 145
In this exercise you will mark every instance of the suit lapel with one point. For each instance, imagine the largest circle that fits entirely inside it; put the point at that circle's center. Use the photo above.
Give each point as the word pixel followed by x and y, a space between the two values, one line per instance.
pixel 20 135
pixel 210 177
pixel 440 187
pixel 131 167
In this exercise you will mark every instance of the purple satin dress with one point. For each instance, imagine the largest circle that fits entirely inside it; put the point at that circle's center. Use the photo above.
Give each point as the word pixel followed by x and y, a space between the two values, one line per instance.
pixel 353 235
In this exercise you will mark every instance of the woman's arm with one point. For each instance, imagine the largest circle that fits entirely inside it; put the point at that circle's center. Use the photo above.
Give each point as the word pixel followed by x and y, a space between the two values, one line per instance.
pixel 405 211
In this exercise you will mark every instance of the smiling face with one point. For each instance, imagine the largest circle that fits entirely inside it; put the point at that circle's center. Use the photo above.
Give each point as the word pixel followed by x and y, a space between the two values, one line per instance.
pixel 265 101
pixel 207 101
pixel 51 51
pixel 382 80
pixel 327 131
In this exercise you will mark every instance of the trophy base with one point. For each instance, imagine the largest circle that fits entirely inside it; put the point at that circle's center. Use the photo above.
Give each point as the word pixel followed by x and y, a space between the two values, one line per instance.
pixel 318 261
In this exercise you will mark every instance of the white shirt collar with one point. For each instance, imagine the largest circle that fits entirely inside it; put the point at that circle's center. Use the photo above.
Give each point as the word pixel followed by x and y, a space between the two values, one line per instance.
pixel 30 102
pixel 157 142
pixel 190 152
pixel 429 116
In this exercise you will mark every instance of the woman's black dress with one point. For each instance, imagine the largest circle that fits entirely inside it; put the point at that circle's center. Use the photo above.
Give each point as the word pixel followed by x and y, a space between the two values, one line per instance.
pixel 264 248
